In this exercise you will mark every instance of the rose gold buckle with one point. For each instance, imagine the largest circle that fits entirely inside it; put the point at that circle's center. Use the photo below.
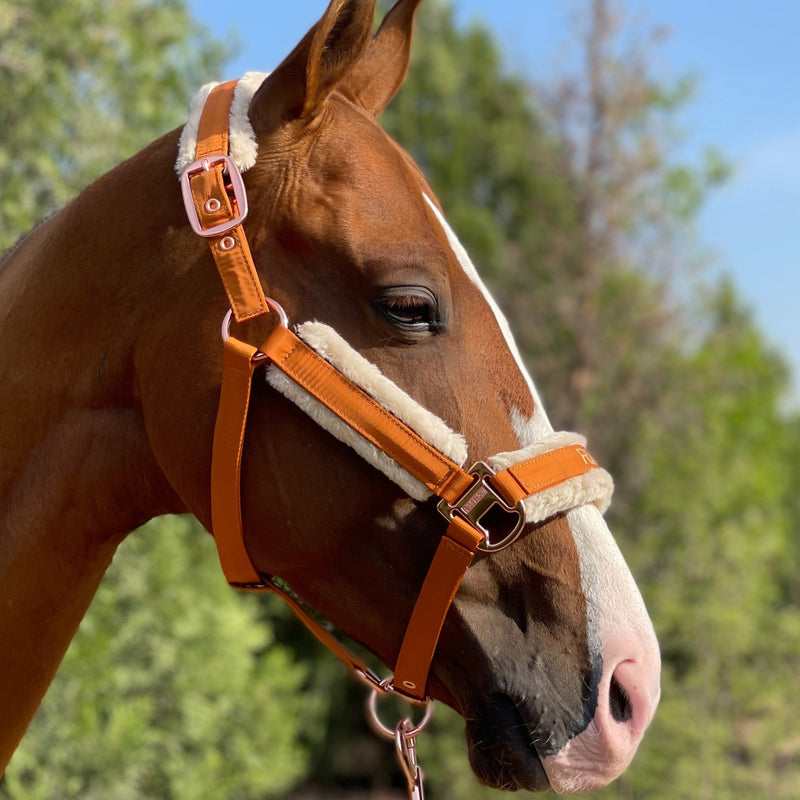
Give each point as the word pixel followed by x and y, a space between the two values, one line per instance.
pixel 236 185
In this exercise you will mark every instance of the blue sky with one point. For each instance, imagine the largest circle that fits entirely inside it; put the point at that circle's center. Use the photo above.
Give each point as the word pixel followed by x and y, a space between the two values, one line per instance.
pixel 747 57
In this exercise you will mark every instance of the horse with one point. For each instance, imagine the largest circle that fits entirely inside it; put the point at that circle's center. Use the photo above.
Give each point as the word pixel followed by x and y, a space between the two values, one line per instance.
pixel 113 380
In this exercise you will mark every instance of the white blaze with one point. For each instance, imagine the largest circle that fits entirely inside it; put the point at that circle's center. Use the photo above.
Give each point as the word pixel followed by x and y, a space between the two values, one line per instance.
pixel 540 421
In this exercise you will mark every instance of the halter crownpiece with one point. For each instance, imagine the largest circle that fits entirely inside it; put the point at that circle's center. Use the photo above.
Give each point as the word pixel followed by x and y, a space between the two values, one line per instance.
pixel 243 146
pixel 347 395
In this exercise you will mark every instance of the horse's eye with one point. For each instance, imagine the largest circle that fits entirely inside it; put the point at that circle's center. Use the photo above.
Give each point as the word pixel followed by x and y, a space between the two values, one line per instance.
pixel 411 308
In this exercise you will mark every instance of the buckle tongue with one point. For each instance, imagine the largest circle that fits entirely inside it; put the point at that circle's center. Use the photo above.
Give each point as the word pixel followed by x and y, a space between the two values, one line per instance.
pixel 477 501
pixel 205 164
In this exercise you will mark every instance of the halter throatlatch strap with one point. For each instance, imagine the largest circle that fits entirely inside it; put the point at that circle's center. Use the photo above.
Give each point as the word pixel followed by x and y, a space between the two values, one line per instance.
pixel 216 205
pixel 240 362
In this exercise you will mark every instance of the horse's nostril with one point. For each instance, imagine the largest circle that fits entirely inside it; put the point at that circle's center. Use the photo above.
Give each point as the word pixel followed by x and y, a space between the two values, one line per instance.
pixel 618 702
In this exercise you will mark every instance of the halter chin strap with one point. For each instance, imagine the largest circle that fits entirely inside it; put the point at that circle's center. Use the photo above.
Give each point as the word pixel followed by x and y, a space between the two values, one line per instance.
pixel 216 204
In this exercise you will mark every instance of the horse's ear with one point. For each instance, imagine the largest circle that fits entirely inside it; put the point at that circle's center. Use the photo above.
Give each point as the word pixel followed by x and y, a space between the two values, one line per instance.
pixel 300 85
pixel 375 79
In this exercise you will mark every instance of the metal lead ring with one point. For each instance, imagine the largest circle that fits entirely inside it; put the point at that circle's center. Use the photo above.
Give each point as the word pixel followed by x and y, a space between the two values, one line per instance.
pixel 410 730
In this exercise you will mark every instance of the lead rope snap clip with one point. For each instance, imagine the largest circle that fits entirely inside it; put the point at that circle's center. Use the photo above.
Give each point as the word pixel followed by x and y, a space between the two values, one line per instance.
pixel 404 735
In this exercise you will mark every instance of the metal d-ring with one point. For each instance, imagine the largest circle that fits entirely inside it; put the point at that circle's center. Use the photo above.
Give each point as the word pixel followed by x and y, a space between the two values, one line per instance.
pixel 380 728
pixel 225 329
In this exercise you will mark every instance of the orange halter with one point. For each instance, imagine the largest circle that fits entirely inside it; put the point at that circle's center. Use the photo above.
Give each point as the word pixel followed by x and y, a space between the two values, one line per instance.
pixel 216 204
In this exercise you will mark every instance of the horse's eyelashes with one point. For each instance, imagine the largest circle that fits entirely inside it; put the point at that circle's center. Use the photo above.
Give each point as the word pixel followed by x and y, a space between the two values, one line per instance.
pixel 413 309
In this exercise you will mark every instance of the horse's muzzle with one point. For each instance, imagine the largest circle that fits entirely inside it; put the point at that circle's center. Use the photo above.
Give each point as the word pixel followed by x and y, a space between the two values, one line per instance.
pixel 502 750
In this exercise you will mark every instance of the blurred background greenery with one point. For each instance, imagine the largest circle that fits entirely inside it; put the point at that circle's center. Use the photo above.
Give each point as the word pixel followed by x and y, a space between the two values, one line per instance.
pixel 573 200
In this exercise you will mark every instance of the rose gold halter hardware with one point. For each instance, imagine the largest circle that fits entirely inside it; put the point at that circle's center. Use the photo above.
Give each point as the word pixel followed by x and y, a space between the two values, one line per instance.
pixel 478 502
pixel 470 500
pixel 385 687
pixel 404 735
pixel 225 328
pixel 236 184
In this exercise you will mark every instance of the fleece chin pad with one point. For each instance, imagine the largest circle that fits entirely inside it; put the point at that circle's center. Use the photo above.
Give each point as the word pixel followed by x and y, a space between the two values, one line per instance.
pixel 595 486
pixel 364 374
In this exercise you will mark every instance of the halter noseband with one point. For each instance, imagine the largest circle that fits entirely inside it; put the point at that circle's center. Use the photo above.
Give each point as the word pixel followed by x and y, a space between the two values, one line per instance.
pixel 216 204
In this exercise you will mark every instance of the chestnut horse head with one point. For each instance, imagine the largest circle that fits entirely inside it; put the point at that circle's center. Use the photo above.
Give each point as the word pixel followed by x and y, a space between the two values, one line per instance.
pixel 547 650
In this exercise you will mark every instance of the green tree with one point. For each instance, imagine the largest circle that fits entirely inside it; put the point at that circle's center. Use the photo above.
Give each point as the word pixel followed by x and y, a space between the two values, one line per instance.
pixel 469 123
pixel 86 84
pixel 174 687
pixel 715 532
pixel 597 349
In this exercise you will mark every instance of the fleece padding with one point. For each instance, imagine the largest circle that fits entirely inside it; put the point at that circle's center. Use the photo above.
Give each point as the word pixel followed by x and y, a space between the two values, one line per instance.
pixel 334 349
pixel 595 486
pixel 242 141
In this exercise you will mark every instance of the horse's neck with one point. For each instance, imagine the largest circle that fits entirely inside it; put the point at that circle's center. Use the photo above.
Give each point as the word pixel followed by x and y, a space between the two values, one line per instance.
pixel 76 471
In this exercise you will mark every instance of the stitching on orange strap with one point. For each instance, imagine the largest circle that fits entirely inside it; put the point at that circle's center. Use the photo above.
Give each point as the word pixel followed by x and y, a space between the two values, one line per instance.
pixel 237 264
pixel 456 548
pixel 554 481
pixel 345 414
pixel 250 269
pixel 550 480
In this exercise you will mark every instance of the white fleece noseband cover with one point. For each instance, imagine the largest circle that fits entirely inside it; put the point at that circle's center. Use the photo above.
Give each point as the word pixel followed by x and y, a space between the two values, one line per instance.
pixel 368 377
pixel 594 487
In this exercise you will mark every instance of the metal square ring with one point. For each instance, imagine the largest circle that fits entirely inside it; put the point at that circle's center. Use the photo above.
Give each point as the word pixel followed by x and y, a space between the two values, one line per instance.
pixel 477 501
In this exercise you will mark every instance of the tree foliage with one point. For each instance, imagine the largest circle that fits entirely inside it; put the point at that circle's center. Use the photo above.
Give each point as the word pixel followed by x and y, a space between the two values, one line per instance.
pixel 86 84
pixel 173 684
pixel 469 123
pixel 715 533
